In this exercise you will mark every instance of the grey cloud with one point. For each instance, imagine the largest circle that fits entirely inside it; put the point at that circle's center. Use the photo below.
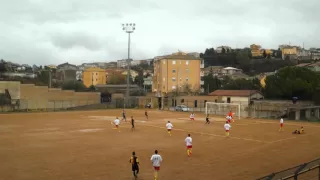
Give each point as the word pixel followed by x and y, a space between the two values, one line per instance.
pixel 72 40
pixel 71 10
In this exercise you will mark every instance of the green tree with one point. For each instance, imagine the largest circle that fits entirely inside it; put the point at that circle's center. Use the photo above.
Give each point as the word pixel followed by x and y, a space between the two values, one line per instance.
pixel 117 79
pixel 292 81
pixel 73 85
pixel 43 77
pixel 241 84
pixel 264 54
pixel 2 68
pixel 244 61
pixel 211 83
pixel 139 79
pixel 223 51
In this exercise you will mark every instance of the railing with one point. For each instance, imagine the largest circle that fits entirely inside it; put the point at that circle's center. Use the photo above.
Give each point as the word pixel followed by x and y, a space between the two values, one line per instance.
pixel 306 171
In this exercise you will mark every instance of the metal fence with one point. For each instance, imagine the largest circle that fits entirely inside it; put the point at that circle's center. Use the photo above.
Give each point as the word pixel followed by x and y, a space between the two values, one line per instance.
pixel 23 105
pixel 306 171
pixel 257 110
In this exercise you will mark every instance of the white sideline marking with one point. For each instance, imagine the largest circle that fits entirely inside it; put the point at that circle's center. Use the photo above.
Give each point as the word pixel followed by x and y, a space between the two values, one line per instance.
pixel 88 130
pixel 283 139
pixel 202 133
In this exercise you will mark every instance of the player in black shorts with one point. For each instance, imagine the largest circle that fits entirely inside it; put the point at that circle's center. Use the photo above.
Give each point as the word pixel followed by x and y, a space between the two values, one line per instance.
pixel 207 119
pixel 132 124
pixel 146 114
pixel 124 116
pixel 135 164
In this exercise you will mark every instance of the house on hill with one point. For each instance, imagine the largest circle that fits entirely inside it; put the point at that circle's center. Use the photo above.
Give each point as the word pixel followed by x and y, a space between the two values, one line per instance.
pixel 236 96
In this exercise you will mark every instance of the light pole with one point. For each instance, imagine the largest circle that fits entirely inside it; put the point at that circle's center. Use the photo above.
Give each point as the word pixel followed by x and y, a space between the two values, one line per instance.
pixel 128 28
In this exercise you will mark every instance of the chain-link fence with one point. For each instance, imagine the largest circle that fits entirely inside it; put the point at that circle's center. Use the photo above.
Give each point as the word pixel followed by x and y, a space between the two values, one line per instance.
pixel 23 105
pixel 306 171
pixel 254 110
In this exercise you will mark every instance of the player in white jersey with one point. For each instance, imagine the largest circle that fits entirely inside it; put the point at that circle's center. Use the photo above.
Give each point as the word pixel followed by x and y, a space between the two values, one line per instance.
pixel 156 160
pixel 116 123
pixel 169 127
pixel 188 142
pixel 227 128
pixel 281 124
pixel 192 116
pixel 229 119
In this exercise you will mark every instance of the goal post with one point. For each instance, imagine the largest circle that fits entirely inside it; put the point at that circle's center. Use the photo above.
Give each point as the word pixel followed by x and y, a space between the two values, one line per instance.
pixel 223 108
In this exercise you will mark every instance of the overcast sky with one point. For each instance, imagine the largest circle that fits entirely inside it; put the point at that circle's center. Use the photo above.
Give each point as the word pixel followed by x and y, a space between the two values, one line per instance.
pixel 78 31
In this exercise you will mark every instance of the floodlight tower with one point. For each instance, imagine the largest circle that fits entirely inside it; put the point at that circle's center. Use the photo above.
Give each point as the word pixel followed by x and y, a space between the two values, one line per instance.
pixel 128 28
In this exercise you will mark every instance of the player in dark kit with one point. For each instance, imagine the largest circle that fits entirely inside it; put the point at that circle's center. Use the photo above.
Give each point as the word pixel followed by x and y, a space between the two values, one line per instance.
pixel 135 164
pixel 124 118
pixel 132 124
pixel 207 119
pixel 146 114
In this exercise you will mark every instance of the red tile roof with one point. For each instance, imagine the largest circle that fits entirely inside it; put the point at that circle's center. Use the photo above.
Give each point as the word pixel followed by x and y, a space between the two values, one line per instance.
pixel 239 93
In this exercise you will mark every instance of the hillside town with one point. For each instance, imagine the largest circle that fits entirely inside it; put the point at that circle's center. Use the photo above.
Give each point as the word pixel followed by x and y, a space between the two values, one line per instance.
pixel 189 72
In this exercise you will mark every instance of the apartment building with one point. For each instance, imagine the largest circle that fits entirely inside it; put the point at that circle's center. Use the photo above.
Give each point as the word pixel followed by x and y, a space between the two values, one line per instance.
pixel 94 76
pixel 173 72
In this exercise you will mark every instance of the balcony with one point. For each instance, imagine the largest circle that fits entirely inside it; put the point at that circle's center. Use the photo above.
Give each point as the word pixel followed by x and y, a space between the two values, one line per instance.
pixel 201 82
pixel 202 90
pixel 201 66
pixel 201 73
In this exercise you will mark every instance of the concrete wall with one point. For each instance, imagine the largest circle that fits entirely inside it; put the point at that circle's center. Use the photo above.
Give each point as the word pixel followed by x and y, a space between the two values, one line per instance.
pixel 42 97
pixel 12 86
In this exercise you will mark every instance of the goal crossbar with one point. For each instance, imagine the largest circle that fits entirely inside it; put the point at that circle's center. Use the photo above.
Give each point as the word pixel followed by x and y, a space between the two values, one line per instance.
pixel 225 104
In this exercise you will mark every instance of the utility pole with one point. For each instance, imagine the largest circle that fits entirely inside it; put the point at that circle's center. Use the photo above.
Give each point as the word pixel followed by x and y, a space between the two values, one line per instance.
pixel 128 28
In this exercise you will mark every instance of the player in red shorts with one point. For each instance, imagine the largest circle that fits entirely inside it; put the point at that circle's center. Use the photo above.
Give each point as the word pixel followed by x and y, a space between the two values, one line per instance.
pixel 281 124
pixel 192 116
pixel 188 142
pixel 156 160
pixel 229 119
pixel 227 128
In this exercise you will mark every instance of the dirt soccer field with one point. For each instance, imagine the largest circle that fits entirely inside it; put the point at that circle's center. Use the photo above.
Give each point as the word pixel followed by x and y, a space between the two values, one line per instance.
pixel 83 146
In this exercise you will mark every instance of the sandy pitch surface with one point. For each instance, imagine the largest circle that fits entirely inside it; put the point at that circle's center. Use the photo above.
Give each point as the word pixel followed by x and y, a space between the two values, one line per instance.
pixel 83 146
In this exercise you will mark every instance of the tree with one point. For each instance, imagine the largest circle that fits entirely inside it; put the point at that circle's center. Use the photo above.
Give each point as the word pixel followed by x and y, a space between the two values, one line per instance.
pixel 2 68
pixel 211 83
pixel 186 88
pixel 292 81
pixel 264 54
pixel 243 61
pixel 43 76
pixel 223 51
pixel 74 85
pixel 117 79
pixel 241 84
pixel 139 79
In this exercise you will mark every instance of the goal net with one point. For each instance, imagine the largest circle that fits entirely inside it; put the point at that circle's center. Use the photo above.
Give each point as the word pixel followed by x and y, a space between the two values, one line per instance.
pixel 223 109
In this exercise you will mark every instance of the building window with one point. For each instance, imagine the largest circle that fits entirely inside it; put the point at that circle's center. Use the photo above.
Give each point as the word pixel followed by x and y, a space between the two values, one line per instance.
pixel 187 62
pixel 96 79
pixel 173 87
pixel 173 62
pixel 164 62
pixel 195 103
pixel 228 100
pixel 173 70
pixel 173 79
pixel 182 100
pixel 187 70
pixel 97 74
pixel 187 79
pixel 164 79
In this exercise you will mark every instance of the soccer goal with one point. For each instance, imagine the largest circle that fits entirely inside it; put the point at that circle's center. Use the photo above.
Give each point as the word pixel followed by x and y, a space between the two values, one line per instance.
pixel 223 108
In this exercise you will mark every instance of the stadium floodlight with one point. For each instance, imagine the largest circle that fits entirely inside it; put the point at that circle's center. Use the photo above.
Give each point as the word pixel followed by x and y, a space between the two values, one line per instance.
pixel 128 28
